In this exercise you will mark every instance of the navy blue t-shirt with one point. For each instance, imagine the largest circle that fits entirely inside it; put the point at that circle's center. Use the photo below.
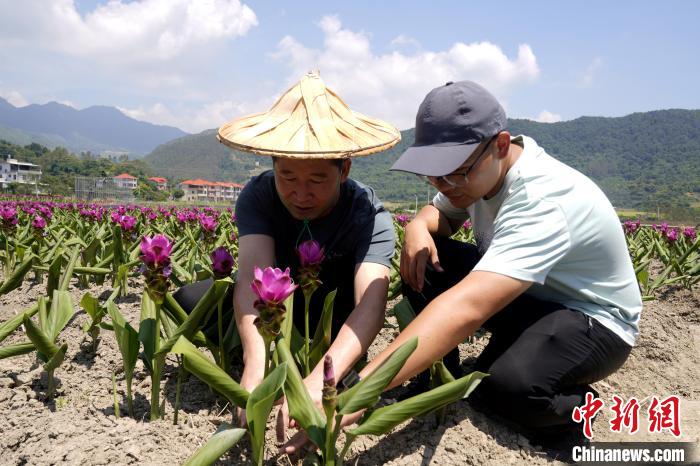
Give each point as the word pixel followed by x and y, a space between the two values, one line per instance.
pixel 358 229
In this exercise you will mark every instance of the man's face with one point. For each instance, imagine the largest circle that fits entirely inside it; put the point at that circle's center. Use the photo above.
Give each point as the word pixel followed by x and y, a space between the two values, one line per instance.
pixel 309 189
pixel 482 177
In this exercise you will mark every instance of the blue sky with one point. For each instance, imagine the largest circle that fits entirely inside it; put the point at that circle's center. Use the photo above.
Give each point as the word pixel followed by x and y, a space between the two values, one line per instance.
pixel 198 64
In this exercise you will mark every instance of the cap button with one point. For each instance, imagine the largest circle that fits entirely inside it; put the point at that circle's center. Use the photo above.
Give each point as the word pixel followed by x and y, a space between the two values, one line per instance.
pixel 449 82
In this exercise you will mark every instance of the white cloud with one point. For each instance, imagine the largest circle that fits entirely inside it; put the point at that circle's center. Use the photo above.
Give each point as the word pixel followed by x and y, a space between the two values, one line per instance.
pixel 15 98
pixel 546 116
pixel 141 34
pixel 589 74
pixel 193 120
pixel 391 86
pixel 404 41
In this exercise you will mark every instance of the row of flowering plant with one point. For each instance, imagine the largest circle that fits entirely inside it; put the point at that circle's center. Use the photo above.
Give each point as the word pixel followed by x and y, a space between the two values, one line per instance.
pixel 675 249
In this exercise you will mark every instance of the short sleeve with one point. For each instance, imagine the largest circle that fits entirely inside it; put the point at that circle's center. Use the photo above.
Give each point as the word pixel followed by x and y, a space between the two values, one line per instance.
pixel 444 205
pixel 253 208
pixel 530 237
pixel 378 239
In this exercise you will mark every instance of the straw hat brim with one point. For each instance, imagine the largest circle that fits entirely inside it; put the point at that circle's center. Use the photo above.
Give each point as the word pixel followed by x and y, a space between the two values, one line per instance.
pixel 309 121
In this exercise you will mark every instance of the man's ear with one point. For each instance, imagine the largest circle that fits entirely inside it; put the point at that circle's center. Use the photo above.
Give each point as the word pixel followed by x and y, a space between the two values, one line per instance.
pixel 345 170
pixel 503 143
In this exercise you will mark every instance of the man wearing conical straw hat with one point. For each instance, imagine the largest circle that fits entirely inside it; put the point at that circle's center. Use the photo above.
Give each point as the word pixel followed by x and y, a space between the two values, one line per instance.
pixel 312 136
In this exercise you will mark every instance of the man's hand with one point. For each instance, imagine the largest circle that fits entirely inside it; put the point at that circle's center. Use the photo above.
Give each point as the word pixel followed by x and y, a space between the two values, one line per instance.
pixel 418 249
pixel 314 385
pixel 295 444
pixel 251 378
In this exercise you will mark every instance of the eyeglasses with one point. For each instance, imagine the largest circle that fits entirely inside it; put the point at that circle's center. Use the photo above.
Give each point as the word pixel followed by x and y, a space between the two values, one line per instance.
pixel 456 180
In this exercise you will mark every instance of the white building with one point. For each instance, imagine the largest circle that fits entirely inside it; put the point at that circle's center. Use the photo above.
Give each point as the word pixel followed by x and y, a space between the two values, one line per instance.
pixel 125 181
pixel 209 191
pixel 13 171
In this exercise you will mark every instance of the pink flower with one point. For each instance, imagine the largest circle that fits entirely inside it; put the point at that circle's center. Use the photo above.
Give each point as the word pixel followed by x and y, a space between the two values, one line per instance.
pixel 9 216
pixel 272 285
pixel 127 222
pixel 689 232
pixel 402 219
pixel 208 223
pixel 39 223
pixel 310 253
pixel 671 235
pixel 467 225
pixel 155 251
pixel 221 262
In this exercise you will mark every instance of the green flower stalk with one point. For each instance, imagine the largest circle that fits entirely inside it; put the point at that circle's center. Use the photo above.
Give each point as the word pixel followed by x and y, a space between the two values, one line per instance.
pixel 156 268
pixel 311 255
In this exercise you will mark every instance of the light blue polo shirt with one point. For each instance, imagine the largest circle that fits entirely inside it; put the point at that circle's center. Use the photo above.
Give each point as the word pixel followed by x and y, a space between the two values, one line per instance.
pixel 551 225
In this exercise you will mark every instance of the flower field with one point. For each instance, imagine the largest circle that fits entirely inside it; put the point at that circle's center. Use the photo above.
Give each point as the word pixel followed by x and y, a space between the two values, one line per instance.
pixel 99 364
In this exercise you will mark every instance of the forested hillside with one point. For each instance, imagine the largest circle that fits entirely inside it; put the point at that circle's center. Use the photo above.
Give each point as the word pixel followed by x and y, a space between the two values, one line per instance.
pixel 645 160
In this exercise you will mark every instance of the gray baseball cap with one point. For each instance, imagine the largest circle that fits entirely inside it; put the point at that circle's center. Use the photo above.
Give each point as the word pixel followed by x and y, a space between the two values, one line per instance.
pixel 451 122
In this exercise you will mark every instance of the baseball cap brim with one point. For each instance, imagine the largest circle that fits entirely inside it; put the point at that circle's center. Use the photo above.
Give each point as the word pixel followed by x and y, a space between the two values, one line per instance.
pixel 435 159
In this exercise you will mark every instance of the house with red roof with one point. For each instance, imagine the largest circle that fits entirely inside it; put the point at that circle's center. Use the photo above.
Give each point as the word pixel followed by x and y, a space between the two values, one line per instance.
pixel 161 183
pixel 125 181
pixel 200 190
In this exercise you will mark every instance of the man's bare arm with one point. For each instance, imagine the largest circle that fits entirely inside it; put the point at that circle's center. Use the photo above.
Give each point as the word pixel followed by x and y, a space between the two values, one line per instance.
pixel 253 250
pixel 450 318
pixel 363 324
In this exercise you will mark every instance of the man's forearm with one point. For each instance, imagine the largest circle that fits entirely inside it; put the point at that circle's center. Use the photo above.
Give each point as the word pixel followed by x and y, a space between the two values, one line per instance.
pixel 364 322
pixel 251 340
pixel 432 220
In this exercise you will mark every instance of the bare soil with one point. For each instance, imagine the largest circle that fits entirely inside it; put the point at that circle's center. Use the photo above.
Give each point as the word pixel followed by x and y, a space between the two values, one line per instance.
pixel 79 426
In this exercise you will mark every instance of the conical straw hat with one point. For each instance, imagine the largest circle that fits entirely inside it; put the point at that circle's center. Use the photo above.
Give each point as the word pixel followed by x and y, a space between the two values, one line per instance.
pixel 309 122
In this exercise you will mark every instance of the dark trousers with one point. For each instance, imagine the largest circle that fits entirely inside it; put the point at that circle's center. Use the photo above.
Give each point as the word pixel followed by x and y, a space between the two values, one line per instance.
pixel 541 356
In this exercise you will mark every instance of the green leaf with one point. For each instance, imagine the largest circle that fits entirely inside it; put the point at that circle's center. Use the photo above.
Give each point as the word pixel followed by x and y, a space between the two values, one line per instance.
pixel 404 313
pixel 16 349
pixel 322 335
pixel 367 392
pixel 147 330
pixel 127 340
pixel 17 277
pixel 42 343
pixel 384 419
pixel 68 273
pixel 287 326
pixel 57 358
pixel 259 405
pixel 60 313
pixel 92 270
pixel 11 325
pixel 209 373
pixel 222 441
pixel 92 307
pixel 207 303
pixel 54 279
pixel 301 407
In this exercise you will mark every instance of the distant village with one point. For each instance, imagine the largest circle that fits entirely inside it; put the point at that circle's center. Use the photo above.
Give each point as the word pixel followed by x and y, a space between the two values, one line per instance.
pixel 121 186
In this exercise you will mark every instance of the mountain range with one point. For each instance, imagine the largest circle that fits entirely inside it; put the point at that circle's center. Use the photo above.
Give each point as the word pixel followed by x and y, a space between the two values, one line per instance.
pixel 642 160
pixel 96 129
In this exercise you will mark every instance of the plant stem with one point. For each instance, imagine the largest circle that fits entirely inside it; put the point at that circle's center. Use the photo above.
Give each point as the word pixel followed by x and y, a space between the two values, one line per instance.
pixel 329 448
pixel 114 394
pixel 178 389
pixel 268 342
pixel 349 439
pixel 157 368
pixel 307 303
pixel 129 398
pixel 50 388
pixel 222 350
